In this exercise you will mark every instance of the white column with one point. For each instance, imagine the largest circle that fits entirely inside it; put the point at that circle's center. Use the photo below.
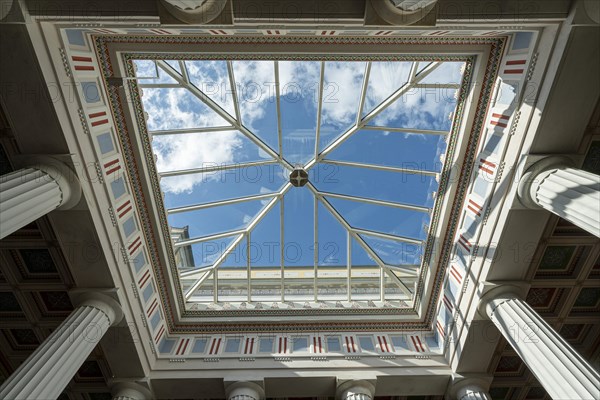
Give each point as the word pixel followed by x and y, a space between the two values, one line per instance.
pixel 561 371
pixel 245 391
pixel 470 389
pixel 30 193
pixel 355 390
pixel 570 193
pixel 130 391
pixel 46 373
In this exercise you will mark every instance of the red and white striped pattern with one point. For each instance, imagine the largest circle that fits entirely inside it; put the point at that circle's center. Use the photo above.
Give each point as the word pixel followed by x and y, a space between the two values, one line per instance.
pixel 124 208
pixel 487 166
pixel 438 33
pixel 328 33
pixel 317 346
pixel 219 32
pixel 152 307
pixel 456 274
pixel 499 120
pixel 350 344
pixel 274 32
pixel 144 279
pixel 134 245
pixel 381 33
pixel 215 346
pixel 475 205
pixel 83 63
pixel 440 329
pixel 98 119
pixel 514 67
pixel 448 303
pixel 107 31
pixel 464 242
pixel 282 345
pixel 249 345
pixel 160 31
pixel 417 344
pixel 159 334
pixel 182 347
pixel 382 344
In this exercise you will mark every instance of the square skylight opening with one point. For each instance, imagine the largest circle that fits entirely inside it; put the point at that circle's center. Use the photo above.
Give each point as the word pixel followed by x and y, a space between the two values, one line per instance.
pixel 371 136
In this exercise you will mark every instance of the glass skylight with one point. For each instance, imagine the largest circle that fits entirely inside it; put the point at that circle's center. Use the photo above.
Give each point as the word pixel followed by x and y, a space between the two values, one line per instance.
pixel 370 135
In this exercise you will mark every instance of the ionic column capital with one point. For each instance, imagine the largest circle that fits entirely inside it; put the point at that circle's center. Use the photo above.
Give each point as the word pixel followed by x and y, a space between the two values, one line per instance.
pixel 496 296
pixel 244 390
pixel 470 389
pixel 102 302
pixel 129 391
pixel 534 174
pixel 355 390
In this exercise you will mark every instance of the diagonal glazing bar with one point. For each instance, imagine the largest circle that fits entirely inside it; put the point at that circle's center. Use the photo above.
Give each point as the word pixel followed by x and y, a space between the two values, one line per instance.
pixel 192 130
pixel 190 292
pixel 256 220
pixel 239 238
pixel 381 167
pixel 438 86
pixel 225 115
pixel 201 239
pixel 190 273
pixel 405 130
pixel 376 202
pixel 184 71
pixel 409 271
pixel 363 93
pixel 387 236
pixel 220 260
pixel 319 110
pixel 234 93
pixel 215 168
pixel 375 112
pixel 228 202
pixel 354 235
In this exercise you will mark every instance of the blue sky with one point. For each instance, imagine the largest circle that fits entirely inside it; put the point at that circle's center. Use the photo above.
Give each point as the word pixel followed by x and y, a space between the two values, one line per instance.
pixel 177 108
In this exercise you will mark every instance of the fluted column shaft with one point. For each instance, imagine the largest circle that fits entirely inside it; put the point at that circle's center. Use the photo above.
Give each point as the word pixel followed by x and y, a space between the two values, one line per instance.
pixel 46 373
pixel 570 193
pixel 30 193
pixel 561 371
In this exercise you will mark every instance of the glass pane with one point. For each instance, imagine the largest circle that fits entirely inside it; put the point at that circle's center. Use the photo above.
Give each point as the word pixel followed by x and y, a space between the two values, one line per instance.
pixel 332 255
pixel 200 255
pixel 299 83
pixel 395 252
pixel 383 185
pixel 212 78
pixel 205 150
pixel 447 72
pixel 217 219
pixel 177 108
pixel 397 149
pixel 386 77
pixel 255 82
pixel 393 221
pixel 222 185
pixel 341 97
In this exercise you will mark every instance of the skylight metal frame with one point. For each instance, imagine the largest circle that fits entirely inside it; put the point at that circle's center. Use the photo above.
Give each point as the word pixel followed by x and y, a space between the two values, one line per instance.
pixel 183 81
